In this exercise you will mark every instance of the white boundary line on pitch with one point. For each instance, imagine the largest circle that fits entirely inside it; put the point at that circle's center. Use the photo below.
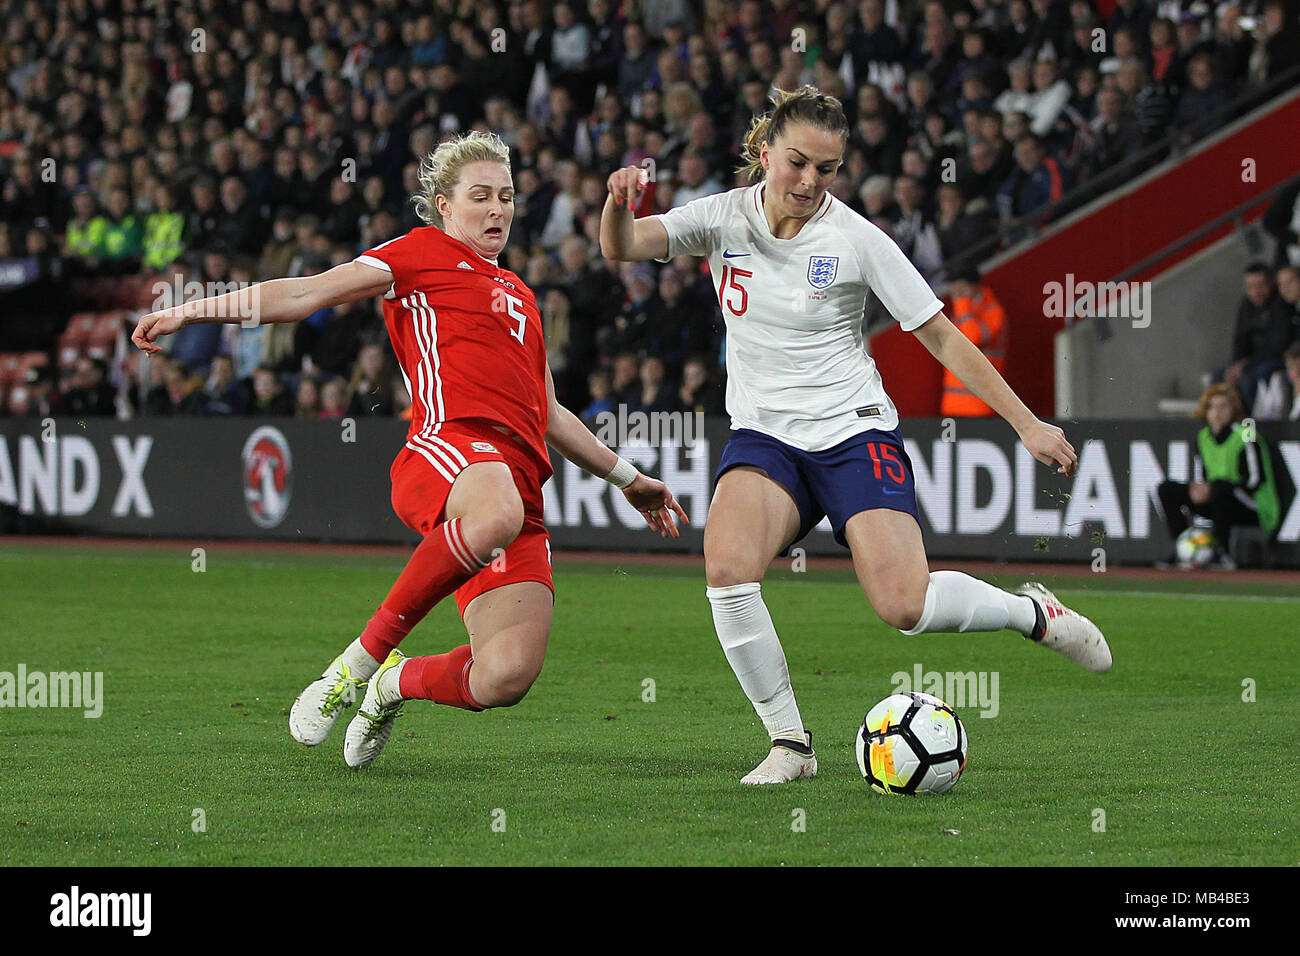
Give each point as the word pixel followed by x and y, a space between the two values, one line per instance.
pixel 1195 596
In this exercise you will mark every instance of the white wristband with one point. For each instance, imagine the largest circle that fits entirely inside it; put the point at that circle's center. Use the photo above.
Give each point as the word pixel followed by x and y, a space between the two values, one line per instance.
pixel 622 474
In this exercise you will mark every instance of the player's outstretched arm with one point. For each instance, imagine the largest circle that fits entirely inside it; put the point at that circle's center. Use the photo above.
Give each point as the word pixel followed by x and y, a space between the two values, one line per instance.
pixel 276 300
pixel 623 237
pixel 958 354
pixel 566 433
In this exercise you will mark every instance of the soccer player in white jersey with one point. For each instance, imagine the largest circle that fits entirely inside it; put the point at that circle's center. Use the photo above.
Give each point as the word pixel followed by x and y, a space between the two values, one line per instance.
pixel 813 431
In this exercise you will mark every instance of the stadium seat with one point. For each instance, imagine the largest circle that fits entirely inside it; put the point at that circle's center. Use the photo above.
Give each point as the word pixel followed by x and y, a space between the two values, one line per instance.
pixel 14 400
pixel 10 363
pixel 14 366
pixel 108 329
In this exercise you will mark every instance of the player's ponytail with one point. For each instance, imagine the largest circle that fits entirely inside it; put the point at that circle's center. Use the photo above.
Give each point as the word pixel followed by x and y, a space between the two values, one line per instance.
pixel 805 105
pixel 440 170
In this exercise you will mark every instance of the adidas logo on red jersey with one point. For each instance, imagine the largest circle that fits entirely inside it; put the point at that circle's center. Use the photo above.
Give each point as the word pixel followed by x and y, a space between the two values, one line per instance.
pixel 464 265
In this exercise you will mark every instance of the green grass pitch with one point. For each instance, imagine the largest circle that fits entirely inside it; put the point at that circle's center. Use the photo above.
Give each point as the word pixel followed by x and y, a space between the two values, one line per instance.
pixel 200 668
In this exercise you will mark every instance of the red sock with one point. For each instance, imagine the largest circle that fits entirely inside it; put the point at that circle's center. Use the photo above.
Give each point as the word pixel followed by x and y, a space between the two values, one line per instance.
pixel 443 679
pixel 441 564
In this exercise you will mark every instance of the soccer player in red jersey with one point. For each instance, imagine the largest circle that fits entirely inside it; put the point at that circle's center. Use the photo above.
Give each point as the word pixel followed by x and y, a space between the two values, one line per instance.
pixel 468 337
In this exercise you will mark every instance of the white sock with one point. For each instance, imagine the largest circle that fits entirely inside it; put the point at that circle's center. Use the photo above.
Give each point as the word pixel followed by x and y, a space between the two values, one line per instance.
pixel 389 686
pixel 956 602
pixel 359 661
pixel 754 652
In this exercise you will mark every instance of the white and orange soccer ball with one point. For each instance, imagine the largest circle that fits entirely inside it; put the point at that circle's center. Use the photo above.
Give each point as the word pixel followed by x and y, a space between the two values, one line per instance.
pixel 911 743
pixel 1195 547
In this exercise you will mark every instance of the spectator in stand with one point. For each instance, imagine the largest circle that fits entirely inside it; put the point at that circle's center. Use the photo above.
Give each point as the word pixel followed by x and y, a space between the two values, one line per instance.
pixel 123 234
pixel 678 322
pixel 1037 181
pixel 1237 486
pixel 1114 134
pixel 1232 44
pixel 874 41
pixel 1277 44
pixel 1152 102
pixel 223 393
pixel 987 167
pixel 88 393
pixel 269 395
pixel 1134 14
pixel 637 66
pixel 149 396
pixel 699 393
pixel 195 345
pixel 600 398
pixel 979 316
pixel 205 213
pixel 1292 360
pixel 655 394
pixel 877 195
pixel 277 255
pixel 960 229
pixel 631 326
pixel 333 399
pixel 1018 97
pixel 1201 104
pixel 1288 287
pixel 342 223
pixel 1051 94
pixel 164 231
pixel 1167 65
pixel 372 383
pixel 84 238
pixel 914 232
pixel 694 179
pixel 307 398
pixel 184 391
pixel 1282 222
pixel 239 227
pixel 1266 326
pixel 625 378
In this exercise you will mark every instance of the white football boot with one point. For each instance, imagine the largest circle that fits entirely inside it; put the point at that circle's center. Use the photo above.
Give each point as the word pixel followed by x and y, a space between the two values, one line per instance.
pixel 1066 631
pixel 313 714
pixel 788 760
pixel 370 729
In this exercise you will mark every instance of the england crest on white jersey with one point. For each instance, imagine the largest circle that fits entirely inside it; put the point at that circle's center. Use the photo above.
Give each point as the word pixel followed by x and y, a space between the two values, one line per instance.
pixel 821 270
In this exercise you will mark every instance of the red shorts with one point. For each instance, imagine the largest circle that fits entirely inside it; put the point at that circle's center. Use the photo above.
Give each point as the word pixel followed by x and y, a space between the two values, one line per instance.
pixel 423 473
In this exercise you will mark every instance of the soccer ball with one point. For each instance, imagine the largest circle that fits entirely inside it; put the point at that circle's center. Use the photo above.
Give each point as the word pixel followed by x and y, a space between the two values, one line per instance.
pixel 911 743
pixel 1195 547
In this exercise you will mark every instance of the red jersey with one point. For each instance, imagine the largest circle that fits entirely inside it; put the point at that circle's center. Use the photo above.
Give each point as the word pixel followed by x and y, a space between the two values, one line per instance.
pixel 468 338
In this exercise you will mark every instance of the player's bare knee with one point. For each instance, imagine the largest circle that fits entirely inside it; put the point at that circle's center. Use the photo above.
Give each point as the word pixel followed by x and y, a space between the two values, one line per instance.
pixel 725 570
pixel 507 687
pixel 494 528
pixel 903 615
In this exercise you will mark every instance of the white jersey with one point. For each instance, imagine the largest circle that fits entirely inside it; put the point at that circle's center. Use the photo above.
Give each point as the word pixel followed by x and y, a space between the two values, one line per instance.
pixel 798 367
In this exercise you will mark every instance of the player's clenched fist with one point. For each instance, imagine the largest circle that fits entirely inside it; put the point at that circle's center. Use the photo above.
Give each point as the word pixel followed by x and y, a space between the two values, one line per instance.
pixel 627 186
pixel 153 325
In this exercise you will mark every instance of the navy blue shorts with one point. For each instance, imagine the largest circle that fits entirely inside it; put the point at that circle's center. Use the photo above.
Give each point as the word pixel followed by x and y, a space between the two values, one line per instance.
pixel 868 470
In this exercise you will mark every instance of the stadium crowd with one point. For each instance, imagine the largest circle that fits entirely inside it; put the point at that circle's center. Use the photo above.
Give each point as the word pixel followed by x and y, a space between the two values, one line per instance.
pixel 224 141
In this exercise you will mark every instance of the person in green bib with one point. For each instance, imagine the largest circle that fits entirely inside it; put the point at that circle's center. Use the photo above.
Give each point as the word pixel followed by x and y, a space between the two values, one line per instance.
pixel 1237 486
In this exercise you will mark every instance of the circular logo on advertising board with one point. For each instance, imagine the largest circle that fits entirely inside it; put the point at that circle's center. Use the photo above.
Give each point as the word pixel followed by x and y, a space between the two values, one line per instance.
pixel 268 476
